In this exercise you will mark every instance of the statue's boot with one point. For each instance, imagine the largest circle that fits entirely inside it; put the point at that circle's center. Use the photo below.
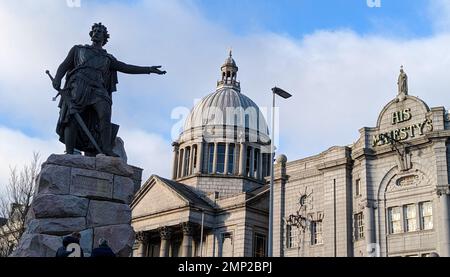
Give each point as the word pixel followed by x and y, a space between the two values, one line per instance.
pixel 103 110
pixel 70 136
pixel 106 141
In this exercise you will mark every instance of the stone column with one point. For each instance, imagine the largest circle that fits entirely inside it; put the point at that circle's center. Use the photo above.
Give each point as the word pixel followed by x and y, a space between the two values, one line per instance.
pixel 215 158
pixel 252 162
pixel 186 246
pixel 260 165
pixel 279 196
pixel 142 238
pixel 444 222
pixel 370 234
pixel 165 234
pixel 200 157
pixel 242 160
pixel 225 171
pixel 183 164
pixel 180 163
pixel 175 160
pixel 191 160
pixel 440 155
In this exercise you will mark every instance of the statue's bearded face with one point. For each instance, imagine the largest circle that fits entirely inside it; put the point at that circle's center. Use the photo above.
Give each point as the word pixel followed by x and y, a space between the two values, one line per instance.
pixel 98 35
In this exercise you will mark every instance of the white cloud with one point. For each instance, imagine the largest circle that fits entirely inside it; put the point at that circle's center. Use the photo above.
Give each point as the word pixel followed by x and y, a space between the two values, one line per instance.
pixel 16 150
pixel 340 80
pixel 148 151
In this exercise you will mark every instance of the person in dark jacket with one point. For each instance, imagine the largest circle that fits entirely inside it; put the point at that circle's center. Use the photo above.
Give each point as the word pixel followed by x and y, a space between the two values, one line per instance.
pixel 70 245
pixel 103 250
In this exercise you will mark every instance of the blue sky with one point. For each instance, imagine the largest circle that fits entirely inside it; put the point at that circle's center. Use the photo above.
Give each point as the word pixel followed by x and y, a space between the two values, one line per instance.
pixel 340 59
pixel 299 17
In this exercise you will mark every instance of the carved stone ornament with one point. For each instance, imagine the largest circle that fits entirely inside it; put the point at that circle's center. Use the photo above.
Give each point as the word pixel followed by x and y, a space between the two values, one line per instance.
pixel 406 181
pixel 188 229
pixel 142 236
pixel 165 232
pixel 443 190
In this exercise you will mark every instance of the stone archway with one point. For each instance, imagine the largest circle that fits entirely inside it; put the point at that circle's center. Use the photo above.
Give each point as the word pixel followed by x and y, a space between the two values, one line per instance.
pixel 394 182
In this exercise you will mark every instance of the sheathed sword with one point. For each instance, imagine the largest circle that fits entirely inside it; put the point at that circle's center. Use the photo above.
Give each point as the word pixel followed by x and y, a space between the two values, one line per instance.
pixel 76 115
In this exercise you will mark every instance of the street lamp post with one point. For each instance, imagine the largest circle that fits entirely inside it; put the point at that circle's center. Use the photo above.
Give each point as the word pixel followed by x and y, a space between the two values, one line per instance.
pixel 284 95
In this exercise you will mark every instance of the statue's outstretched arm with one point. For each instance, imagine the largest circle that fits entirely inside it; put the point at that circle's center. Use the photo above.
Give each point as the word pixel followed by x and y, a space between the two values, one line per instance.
pixel 134 69
pixel 65 66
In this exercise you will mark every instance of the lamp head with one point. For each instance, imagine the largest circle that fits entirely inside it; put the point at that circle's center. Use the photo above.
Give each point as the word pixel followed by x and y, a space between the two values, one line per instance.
pixel 281 92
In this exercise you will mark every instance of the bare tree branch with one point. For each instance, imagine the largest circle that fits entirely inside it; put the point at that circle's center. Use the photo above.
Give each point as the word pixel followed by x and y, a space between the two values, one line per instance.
pixel 16 202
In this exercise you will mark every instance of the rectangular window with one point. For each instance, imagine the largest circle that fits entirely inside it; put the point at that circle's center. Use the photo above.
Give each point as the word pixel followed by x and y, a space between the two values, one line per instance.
pixel 426 215
pixel 231 150
pixel 292 236
pixel 316 232
pixel 359 226
pixel 395 221
pixel 259 245
pixel 264 165
pixel 227 245
pixel 410 218
pixel 358 187
pixel 220 167
pixel 210 157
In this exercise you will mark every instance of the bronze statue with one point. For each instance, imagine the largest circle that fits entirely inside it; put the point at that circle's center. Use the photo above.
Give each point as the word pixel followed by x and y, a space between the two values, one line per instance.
pixel 85 106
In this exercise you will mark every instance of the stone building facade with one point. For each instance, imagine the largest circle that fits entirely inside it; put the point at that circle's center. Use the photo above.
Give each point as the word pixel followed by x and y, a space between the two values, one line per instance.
pixel 216 202
pixel 384 195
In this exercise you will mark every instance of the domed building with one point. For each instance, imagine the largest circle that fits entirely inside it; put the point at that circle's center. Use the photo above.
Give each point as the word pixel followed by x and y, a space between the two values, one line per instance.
pixel 216 202
pixel 387 194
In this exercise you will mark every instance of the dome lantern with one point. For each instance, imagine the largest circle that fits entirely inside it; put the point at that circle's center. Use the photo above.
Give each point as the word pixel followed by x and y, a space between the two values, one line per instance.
pixel 229 73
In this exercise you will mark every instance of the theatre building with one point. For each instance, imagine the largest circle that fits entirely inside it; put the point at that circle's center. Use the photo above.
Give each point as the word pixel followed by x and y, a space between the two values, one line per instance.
pixel 384 195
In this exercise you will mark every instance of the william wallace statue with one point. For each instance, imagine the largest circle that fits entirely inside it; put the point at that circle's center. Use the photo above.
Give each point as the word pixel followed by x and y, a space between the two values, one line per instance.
pixel 91 77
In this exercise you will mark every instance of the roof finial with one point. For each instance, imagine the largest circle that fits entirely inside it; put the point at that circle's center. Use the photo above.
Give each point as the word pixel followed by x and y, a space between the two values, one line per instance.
pixel 231 52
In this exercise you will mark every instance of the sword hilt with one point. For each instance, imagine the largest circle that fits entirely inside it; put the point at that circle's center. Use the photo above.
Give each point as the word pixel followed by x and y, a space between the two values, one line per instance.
pixel 51 78
pixel 49 75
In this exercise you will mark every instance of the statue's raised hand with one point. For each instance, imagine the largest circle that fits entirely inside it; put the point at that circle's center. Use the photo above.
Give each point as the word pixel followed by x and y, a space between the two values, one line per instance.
pixel 155 69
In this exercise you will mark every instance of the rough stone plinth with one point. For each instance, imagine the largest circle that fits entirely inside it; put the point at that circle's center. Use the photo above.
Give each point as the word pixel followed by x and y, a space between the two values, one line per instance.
pixel 89 195
pixel 121 238
pixel 37 245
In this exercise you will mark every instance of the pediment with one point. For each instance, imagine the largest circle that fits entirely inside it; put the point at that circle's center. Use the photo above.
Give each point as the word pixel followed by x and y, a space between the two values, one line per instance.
pixel 260 202
pixel 155 197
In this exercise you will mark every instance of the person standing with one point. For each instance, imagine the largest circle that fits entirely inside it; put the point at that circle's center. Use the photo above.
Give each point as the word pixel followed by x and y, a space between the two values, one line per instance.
pixel 103 250
pixel 71 247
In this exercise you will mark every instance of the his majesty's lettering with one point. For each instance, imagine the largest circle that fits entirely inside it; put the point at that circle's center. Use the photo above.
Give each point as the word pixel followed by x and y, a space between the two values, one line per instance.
pixel 404 133
pixel 401 116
